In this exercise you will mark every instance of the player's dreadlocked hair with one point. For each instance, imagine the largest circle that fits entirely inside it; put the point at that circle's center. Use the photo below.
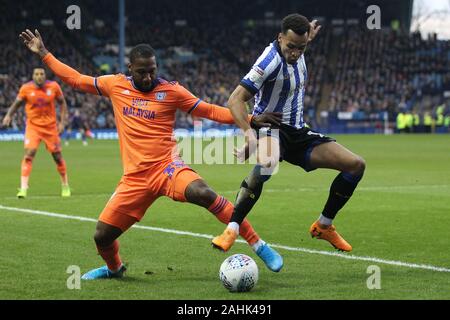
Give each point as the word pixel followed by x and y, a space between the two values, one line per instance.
pixel 141 50
pixel 296 22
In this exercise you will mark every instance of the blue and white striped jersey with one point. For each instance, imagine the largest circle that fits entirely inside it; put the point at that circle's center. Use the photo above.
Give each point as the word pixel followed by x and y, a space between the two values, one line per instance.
pixel 278 86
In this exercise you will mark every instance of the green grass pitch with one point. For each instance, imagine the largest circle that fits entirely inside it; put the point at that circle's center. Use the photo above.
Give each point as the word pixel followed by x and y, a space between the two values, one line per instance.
pixel 400 212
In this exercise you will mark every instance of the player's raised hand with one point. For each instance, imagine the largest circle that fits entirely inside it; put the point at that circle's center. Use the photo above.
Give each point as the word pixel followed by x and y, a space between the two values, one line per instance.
pixel 34 42
pixel 314 29
pixel 248 148
pixel 6 121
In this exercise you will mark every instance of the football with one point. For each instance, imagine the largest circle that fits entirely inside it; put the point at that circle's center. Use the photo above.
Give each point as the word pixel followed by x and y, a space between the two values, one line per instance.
pixel 239 273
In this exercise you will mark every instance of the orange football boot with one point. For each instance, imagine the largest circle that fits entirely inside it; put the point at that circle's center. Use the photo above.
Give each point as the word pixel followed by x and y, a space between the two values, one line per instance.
pixel 226 240
pixel 329 234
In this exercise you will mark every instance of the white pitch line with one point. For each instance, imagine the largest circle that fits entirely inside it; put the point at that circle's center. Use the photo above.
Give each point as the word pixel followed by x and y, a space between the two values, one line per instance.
pixel 207 236
pixel 86 195
pixel 269 190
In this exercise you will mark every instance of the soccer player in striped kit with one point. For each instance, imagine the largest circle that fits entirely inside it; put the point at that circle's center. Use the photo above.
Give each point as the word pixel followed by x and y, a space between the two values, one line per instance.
pixel 277 81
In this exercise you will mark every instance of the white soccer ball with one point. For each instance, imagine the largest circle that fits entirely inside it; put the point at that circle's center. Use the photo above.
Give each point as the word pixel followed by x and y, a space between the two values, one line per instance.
pixel 239 273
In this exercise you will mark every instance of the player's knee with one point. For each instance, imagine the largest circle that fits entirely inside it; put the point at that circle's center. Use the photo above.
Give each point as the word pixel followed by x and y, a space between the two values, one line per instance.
pixel 28 158
pixel 270 165
pixel 57 157
pixel 29 155
pixel 358 166
pixel 268 162
pixel 198 192
pixel 103 238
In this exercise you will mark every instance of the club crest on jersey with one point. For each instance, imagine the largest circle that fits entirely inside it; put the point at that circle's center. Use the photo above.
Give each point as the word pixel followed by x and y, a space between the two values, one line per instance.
pixel 160 96
pixel 49 92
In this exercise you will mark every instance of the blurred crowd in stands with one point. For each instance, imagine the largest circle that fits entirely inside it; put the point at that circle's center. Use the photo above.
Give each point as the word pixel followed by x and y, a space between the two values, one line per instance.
pixel 208 49
pixel 391 71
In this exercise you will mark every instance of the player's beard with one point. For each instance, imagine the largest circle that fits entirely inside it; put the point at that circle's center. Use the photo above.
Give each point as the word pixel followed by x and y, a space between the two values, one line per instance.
pixel 39 84
pixel 145 89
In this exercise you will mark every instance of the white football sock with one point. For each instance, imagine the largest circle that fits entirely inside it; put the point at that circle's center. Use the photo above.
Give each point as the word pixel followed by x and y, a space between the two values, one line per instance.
pixel 258 244
pixel 234 226
pixel 324 220
pixel 24 182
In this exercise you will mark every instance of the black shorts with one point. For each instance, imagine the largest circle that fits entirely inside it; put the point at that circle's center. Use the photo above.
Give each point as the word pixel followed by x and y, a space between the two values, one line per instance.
pixel 296 144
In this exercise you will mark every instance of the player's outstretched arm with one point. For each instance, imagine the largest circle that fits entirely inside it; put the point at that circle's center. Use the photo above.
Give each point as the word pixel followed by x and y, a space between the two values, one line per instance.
pixel 11 111
pixel 224 115
pixel 64 114
pixel 72 77
pixel 214 113
pixel 237 104
pixel 238 107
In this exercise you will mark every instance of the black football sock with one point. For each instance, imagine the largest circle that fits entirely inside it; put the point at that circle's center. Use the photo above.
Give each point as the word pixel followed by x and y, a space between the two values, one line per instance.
pixel 340 192
pixel 248 194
